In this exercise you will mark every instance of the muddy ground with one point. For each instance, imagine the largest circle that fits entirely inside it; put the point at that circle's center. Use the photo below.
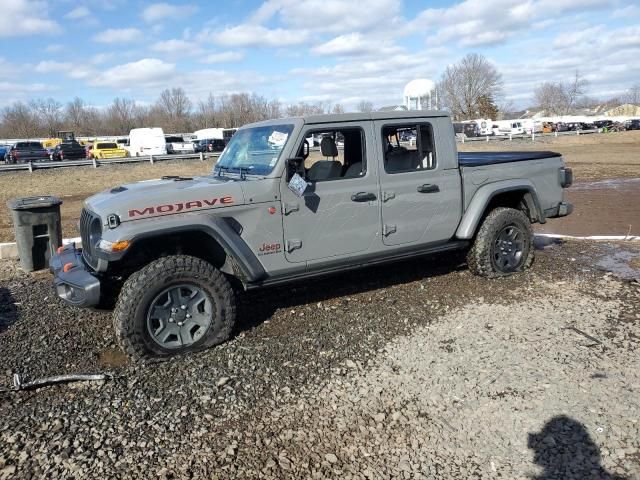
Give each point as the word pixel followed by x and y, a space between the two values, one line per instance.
pixel 416 370
pixel 593 157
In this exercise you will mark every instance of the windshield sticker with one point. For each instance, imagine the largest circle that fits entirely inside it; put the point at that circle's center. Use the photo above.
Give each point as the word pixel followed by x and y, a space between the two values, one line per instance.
pixel 273 162
pixel 278 139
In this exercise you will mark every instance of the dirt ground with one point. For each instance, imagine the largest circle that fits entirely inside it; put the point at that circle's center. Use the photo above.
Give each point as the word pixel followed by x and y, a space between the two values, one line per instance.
pixel 593 157
pixel 413 370
pixel 73 185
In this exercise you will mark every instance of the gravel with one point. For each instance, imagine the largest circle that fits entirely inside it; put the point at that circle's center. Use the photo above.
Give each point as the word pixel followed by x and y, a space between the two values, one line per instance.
pixel 418 370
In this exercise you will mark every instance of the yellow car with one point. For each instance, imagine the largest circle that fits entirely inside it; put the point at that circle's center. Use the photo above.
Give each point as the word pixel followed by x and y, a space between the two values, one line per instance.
pixel 107 150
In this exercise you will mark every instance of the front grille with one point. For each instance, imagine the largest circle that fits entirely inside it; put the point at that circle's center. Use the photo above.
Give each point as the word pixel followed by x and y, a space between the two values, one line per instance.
pixel 90 232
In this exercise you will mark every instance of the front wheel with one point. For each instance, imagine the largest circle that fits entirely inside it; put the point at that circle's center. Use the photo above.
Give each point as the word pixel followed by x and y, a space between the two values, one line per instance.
pixel 503 245
pixel 174 305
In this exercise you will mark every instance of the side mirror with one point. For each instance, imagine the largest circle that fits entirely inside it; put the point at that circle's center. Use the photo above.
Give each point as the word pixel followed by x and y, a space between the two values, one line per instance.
pixel 295 165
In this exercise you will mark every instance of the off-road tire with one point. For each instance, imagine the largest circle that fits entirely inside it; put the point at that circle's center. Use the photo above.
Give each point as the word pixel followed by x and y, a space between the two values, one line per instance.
pixel 139 290
pixel 480 259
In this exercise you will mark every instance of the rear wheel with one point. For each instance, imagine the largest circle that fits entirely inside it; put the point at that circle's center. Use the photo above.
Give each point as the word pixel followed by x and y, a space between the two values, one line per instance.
pixel 174 305
pixel 503 245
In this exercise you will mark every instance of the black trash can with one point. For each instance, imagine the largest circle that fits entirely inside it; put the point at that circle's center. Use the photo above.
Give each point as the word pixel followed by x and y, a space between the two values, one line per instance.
pixel 38 229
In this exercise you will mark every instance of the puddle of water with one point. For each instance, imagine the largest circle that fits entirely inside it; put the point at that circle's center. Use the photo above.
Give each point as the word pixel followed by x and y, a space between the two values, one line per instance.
pixel 112 357
pixel 612 184
pixel 540 243
pixel 621 262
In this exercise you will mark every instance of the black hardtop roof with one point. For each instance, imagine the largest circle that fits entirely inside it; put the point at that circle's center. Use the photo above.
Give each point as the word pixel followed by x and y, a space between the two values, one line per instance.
pixel 354 117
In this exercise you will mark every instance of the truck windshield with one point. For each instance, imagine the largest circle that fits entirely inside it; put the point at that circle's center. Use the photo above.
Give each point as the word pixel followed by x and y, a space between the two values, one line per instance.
pixel 255 150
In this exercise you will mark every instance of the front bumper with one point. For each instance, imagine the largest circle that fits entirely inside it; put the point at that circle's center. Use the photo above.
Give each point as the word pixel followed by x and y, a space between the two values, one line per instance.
pixel 77 285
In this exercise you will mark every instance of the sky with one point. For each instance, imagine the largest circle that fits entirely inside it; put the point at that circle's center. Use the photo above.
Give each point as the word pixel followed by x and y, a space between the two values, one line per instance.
pixel 307 50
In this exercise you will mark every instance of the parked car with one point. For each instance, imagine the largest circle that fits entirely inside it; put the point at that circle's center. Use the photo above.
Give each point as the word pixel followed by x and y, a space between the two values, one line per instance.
pixel 603 123
pixel 68 151
pixel 146 141
pixel 24 152
pixel 209 145
pixel 633 124
pixel 173 249
pixel 108 150
pixel 179 145
pixel 562 127
pixel 4 150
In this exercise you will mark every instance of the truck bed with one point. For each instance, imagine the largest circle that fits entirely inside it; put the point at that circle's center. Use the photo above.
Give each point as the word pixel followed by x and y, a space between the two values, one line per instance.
pixel 478 159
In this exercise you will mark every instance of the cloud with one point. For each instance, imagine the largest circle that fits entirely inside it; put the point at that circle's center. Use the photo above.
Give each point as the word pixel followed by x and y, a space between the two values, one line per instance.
pixel 54 47
pixel 51 66
pixel 478 23
pixel 18 88
pixel 355 44
pixel 25 17
pixel 118 35
pixel 78 12
pixel 176 47
pixel 334 16
pixel 100 58
pixel 160 11
pixel 247 35
pixel 629 11
pixel 223 57
pixel 145 73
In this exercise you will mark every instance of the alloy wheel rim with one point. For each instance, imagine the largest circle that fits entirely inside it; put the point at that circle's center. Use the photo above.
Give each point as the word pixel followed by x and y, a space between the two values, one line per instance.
pixel 508 248
pixel 179 316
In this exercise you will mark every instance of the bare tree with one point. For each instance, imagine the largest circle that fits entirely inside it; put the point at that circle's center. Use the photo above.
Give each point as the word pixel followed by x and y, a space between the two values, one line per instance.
pixel 205 115
pixel 463 85
pixel 121 116
pixel 560 98
pixel 633 95
pixel 49 114
pixel 364 106
pixel 337 108
pixel 19 121
pixel 175 106
pixel 304 108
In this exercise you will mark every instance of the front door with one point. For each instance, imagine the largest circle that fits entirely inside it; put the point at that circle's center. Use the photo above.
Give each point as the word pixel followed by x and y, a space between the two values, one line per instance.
pixel 421 198
pixel 339 213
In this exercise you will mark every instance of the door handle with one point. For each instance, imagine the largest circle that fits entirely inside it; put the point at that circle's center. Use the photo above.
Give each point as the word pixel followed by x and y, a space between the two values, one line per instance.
pixel 363 197
pixel 428 188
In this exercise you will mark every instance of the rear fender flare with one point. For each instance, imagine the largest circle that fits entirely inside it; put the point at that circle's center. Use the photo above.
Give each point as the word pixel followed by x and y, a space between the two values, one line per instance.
pixel 483 196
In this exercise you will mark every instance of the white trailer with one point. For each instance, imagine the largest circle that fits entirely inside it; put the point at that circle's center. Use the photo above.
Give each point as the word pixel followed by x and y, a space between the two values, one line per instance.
pixel 208 134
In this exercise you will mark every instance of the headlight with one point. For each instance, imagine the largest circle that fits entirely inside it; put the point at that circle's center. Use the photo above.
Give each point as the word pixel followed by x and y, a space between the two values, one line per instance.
pixel 110 247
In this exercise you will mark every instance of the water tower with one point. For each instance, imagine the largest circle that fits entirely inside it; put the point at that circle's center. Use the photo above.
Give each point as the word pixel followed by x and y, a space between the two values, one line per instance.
pixel 420 94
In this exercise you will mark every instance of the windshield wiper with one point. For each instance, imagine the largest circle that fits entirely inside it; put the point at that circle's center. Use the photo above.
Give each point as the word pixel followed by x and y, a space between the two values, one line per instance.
pixel 222 168
pixel 244 171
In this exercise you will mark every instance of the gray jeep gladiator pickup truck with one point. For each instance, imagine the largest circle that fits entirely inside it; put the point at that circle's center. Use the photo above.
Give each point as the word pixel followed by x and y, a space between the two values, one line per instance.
pixel 276 210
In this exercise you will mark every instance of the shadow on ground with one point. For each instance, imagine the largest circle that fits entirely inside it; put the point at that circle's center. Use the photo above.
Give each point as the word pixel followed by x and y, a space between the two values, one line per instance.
pixel 8 310
pixel 255 307
pixel 565 450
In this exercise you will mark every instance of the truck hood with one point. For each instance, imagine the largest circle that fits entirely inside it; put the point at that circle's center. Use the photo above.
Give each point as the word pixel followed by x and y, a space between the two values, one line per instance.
pixel 166 196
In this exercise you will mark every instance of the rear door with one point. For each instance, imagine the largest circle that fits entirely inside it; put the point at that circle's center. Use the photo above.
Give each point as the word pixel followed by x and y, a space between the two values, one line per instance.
pixel 420 182
pixel 339 213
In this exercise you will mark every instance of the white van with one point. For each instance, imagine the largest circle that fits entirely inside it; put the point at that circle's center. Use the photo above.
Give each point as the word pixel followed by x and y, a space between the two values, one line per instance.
pixel 508 127
pixel 147 141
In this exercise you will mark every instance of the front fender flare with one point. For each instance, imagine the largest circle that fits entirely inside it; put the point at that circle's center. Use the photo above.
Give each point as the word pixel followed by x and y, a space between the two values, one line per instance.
pixel 216 227
pixel 483 196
